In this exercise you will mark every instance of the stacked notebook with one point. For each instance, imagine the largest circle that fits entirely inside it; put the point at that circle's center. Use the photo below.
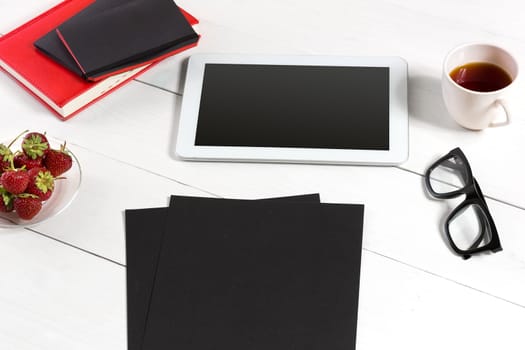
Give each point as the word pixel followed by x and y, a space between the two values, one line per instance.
pixel 80 50
pixel 209 273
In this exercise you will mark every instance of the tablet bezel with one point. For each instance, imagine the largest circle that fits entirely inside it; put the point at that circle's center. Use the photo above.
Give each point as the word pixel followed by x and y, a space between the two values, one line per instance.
pixel 398 110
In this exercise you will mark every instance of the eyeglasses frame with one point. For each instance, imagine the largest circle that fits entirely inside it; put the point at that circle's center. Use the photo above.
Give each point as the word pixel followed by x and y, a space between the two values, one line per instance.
pixel 473 196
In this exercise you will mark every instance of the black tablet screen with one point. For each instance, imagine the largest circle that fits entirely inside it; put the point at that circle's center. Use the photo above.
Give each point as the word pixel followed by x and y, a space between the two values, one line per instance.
pixel 331 107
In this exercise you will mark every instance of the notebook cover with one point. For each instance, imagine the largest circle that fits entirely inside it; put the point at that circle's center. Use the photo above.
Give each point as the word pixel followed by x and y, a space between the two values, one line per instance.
pixel 121 36
pixel 54 81
pixel 51 45
pixel 144 232
pixel 257 275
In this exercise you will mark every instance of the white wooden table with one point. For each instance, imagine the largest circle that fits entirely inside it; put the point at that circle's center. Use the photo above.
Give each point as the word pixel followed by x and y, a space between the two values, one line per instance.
pixel 62 283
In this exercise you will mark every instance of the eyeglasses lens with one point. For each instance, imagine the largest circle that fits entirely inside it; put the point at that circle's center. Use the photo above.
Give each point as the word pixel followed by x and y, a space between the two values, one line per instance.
pixel 469 228
pixel 449 175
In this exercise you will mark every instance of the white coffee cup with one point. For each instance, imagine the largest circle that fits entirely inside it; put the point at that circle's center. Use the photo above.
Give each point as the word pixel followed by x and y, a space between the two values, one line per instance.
pixel 473 109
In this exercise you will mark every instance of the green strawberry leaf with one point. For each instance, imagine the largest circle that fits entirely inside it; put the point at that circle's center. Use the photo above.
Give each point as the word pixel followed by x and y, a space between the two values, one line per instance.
pixel 5 153
pixel 35 146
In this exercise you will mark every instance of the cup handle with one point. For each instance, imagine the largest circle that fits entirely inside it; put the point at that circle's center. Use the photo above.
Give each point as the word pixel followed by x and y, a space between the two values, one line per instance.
pixel 503 104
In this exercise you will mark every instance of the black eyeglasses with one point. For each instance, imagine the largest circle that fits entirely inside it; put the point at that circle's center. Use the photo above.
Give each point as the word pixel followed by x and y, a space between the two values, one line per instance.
pixel 469 228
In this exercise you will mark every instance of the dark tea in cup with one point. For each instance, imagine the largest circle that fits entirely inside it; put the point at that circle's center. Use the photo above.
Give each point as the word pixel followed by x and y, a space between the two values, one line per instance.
pixel 477 81
pixel 481 76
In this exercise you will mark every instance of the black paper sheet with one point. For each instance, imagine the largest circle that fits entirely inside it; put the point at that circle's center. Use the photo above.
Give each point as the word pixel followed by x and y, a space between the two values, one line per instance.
pixel 236 274
pixel 144 233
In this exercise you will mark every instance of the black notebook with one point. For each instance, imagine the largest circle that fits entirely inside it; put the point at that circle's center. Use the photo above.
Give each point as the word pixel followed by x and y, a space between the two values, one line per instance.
pixel 256 275
pixel 144 235
pixel 51 45
pixel 120 35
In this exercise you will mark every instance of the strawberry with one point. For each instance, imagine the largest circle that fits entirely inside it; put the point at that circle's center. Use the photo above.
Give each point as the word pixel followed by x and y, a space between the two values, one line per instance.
pixel 14 181
pixel 58 161
pixel 27 206
pixel 23 161
pixel 5 158
pixel 41 183
pixel 6 201
pixel 35 145
pixel 6 208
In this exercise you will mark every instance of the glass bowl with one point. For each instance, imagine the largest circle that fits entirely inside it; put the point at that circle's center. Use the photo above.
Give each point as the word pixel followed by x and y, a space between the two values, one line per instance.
pixel 66 189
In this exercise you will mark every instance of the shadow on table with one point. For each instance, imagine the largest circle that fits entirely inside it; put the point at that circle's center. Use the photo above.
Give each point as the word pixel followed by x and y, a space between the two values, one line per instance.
pixel 176 116
pixel 446 209
pixel 425 102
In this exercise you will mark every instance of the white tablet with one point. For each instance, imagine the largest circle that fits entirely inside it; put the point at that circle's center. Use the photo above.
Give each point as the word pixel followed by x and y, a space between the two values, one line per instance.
pixel 301 109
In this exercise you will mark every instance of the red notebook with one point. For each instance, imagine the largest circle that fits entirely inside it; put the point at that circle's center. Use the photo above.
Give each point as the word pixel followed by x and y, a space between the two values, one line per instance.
pixel 61 90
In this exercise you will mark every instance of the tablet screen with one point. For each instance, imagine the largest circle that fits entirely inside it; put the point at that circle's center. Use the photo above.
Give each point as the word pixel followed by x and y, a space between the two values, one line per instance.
pixel 328 107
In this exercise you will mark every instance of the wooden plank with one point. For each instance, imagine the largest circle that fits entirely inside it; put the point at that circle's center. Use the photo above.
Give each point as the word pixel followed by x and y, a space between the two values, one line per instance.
pixel 95 220
pixel 399 215
pixel 14 14
pixel 402 308
pixel 56 297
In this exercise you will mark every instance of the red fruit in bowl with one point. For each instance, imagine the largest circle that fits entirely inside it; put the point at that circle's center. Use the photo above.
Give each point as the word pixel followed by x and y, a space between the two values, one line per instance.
pixel 14 181
pixel 6 208
pixel 21 160
pixel 35 145
pixel 58 161
pixel 27 207
pixel 6 201
pixel 5 158
pixel 6 155
pixel 41 183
